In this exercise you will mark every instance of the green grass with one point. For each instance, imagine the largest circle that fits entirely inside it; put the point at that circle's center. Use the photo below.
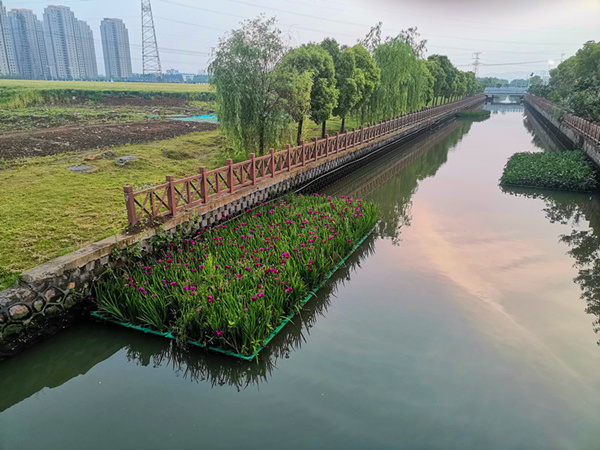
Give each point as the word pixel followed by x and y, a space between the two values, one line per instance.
pixel 565 170
pixel 22 93
pixel 105 86
pixel 232 285
pixel 47 211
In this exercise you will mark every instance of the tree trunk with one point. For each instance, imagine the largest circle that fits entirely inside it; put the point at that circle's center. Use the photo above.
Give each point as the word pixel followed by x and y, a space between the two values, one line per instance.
pixel 343 124
pixel 261 143
pixel 299 135
pixel 324 129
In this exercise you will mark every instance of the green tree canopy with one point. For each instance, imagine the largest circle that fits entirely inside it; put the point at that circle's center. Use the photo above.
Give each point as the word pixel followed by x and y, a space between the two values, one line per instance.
pixel 368 79
pixel 249 106
pixel 315 60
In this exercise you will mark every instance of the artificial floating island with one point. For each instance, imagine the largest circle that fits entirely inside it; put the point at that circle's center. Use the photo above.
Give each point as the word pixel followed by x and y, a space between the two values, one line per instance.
pixel 569 170
pixel 232 287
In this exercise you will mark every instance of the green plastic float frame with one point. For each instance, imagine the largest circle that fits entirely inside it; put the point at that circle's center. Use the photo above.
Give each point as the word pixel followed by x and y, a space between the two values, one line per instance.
pixel 274 333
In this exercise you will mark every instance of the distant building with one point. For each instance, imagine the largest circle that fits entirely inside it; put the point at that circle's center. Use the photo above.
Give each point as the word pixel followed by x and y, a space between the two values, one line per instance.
pixel 69 44
pixel 115 46
pixel 8 62
pixel 29 44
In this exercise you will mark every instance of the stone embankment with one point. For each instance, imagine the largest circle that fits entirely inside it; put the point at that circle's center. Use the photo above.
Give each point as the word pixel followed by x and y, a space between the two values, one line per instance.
pixel 571 136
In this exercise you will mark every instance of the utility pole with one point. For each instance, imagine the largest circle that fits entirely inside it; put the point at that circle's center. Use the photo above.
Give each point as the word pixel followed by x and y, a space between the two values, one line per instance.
pixel 150 58
pixel 476 63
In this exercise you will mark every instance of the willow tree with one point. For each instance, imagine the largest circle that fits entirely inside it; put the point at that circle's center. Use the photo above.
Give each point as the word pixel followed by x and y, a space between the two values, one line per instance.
pixel 368 79
pixel 249 105
pixel 439 79
pixel 396 61
pixel 313 59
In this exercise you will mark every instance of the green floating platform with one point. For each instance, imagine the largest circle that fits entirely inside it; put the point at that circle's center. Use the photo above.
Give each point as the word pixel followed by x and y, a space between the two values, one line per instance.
pixel 285 321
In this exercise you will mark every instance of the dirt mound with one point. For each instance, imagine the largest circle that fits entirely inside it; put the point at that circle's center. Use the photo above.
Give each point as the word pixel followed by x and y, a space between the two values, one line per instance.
pixel 70 139
pixel 139 101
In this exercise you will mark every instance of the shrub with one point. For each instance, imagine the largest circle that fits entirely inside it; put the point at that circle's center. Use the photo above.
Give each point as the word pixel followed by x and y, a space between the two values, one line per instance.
pixel 565 170
pixel 474 114
pixel 234 284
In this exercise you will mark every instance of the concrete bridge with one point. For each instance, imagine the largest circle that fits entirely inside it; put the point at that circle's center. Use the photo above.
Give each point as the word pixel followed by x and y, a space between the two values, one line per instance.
pixel 506 92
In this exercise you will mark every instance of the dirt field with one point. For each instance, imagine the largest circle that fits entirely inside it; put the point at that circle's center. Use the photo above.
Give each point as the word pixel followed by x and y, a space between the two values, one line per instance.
pixel 72 139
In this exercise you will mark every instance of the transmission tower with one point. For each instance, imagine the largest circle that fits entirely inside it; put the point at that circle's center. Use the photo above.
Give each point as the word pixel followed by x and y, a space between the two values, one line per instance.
pixel 476 63
pixel 150 58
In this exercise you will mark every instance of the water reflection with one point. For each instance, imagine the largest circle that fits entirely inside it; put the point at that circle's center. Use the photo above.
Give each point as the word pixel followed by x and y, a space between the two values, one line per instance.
pixel 392 180
pixel 539 137
pixel 582 212
pixel 78 350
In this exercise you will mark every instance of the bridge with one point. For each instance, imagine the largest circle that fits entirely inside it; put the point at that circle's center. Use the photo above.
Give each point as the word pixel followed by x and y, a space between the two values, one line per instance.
pixel 506 92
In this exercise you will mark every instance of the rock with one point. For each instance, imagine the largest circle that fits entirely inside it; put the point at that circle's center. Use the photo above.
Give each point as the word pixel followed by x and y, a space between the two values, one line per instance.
pixel 71 301
pixel 19 312
pixel 52 311
pixel 81 168
pixel 3 318
pixel 13 328
pixel 50 294
pixel 107 153
pixel 123 161
pixel 38 305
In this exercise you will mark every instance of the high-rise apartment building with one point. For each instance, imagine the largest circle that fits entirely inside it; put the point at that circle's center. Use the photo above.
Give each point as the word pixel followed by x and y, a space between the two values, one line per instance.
pixel 29 45
pixel 69 43
pixel 115 46
pixel 8 63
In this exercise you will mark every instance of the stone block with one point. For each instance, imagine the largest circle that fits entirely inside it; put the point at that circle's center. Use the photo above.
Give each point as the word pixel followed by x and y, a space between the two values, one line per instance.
pixel 38 305
pixel 12 330
pixel 19 312
pixel 52 311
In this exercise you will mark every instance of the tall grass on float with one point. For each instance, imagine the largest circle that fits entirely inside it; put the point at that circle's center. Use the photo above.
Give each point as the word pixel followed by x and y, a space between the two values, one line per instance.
pixel 232 285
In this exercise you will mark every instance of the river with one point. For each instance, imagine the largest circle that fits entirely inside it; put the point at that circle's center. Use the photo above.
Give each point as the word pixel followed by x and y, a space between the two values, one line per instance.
pixel 466 322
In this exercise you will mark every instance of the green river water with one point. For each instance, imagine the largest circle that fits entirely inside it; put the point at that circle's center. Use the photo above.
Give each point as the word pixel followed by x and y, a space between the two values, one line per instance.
pixel 465 322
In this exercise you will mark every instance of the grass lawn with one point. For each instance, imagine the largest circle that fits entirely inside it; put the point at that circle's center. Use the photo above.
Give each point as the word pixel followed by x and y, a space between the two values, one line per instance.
pixel 47 211
pixel 105 86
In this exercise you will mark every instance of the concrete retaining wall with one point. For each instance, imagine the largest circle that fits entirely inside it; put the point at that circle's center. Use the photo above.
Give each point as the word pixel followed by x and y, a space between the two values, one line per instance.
pixel 53 295
pixel 573 137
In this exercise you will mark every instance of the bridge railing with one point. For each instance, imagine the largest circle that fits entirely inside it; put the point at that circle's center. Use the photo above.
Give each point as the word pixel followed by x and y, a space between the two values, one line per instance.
pixel 173 196
pixel 581 125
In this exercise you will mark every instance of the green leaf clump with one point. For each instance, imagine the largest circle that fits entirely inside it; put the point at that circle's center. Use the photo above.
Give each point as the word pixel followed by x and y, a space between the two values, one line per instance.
pixel 565 170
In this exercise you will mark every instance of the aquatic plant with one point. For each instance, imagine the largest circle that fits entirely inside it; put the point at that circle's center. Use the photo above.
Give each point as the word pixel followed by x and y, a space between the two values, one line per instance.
pixel 233 284
pixel 474 114
pixel 565 170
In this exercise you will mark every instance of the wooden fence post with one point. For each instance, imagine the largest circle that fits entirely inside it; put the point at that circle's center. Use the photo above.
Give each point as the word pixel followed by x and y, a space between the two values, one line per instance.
pixel 230 174
pixel 288 157
pixel 303 154
pixel 346 145
pixel 130 205
pixel 203 185
pixel 336 147
pixel 272 162
pixel 171 201
pixel 316 148
pixel 253 168
pixel 360 135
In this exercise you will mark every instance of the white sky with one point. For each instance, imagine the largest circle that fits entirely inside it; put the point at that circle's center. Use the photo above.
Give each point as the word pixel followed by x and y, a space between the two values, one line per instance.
pixel 506 32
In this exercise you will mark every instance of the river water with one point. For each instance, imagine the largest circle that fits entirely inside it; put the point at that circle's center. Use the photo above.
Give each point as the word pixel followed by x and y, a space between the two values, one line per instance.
pixel 465 322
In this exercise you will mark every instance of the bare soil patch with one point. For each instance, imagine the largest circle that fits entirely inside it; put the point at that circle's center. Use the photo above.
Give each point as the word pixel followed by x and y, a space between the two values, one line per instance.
pixel 72 139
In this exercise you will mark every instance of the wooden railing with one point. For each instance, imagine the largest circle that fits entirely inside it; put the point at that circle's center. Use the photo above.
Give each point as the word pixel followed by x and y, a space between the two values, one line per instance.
pixel 581 125
pixel 175 195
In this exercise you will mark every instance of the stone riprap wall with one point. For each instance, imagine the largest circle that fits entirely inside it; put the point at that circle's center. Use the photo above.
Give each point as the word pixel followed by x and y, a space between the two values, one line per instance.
pixel 574 137
pixel 55 294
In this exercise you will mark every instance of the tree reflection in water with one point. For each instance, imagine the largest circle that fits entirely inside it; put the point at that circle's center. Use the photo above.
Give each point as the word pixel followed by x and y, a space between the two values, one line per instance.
pixel 575 209
pixel 200 366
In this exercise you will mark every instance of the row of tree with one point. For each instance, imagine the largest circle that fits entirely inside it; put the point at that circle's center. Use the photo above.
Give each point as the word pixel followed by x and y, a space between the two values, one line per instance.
pixel 575 83
pixel 263 86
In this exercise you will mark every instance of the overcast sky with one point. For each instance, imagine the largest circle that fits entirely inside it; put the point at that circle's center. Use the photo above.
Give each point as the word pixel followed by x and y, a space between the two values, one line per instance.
pixel 519 36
